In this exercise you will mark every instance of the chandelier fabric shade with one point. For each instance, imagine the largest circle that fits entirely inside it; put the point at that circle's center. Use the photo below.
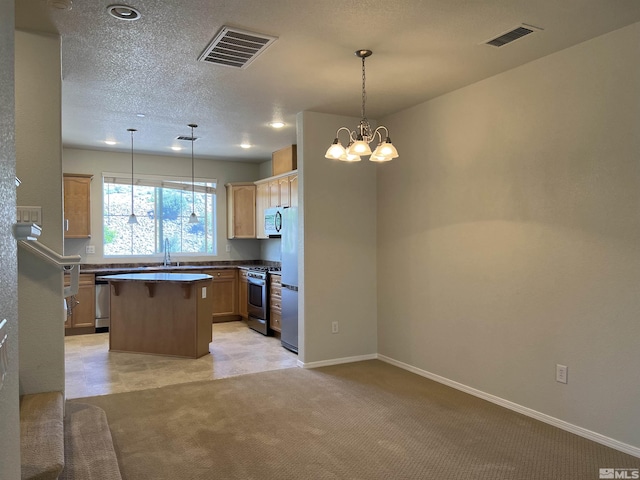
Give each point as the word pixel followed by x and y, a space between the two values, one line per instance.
pixel 132 218
pixel 361 138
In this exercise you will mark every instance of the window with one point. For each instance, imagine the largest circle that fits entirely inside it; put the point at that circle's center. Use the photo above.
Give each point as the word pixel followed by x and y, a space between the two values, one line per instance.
pixel 163 206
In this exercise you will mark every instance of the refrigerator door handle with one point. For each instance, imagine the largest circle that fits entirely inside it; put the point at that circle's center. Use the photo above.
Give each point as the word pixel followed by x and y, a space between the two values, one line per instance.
pixel 290 287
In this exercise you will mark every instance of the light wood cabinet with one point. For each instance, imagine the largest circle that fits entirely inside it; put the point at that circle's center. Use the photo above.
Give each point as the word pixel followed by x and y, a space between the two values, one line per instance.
pixel 281 191
pixel 285 193
pixel 262 203
pixel 284 160
pixel 275 304
pixel 241 210
pixel 224 292
pixel 81 308
pixel 243 292
pixel 77 205
pixel 293 190
pixel 274 193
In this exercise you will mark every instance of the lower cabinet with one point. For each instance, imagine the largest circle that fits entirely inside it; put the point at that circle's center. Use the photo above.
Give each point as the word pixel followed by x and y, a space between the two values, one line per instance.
pixel 81 308
pixel 243 292
pixel 224 291
pixel 275 312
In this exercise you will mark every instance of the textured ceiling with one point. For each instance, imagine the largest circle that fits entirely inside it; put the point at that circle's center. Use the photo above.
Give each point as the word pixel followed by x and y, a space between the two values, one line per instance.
pixel 114 69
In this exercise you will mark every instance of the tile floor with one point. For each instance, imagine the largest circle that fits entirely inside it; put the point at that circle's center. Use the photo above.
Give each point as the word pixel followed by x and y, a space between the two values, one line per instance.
pixel 236 350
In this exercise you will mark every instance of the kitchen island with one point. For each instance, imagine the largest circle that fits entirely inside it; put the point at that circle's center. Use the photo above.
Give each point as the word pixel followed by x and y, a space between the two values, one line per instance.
pixel 160 313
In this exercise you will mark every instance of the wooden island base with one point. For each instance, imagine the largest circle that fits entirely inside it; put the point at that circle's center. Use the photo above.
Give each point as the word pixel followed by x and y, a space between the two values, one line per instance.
pixel 163 314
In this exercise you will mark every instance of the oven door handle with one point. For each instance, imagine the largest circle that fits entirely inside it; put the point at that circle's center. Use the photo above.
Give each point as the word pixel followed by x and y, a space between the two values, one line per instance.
pixel 257 281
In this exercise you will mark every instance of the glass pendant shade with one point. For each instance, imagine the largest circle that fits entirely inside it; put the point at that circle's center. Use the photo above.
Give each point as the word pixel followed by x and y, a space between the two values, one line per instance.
pixel 133 219
pixel 351 158
pixel 336 151
pixel 376 156
pixel 359 147
pixel 193 218
pixel 387 149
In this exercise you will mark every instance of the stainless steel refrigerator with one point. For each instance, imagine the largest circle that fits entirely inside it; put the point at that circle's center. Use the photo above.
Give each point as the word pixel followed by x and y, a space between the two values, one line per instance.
pixel 289 259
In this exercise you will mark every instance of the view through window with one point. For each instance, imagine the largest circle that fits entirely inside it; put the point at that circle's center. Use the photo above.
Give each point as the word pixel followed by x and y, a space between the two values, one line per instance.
pixel 163 207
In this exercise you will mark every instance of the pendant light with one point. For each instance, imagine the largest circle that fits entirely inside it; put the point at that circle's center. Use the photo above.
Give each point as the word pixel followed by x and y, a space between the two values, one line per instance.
pixel 132 217
pixel 363 135
pixel 193 218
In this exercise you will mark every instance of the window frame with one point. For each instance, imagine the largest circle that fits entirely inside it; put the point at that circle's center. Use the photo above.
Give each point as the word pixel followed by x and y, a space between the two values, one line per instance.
pixel 173 182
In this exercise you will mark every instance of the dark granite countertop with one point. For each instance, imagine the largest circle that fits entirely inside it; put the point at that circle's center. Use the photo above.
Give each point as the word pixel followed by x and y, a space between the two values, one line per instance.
pixel 108 269
pixel 156 277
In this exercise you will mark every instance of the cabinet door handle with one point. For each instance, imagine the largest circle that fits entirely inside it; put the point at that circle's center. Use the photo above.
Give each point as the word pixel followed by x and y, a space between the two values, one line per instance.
pixel 66 225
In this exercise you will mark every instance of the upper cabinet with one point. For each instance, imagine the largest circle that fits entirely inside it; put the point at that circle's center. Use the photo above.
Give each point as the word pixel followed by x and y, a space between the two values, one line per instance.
pixel 262 203
pixel 77 205
pixel 281 191
pixel 241 210
pixel 284 160
pixel 293 190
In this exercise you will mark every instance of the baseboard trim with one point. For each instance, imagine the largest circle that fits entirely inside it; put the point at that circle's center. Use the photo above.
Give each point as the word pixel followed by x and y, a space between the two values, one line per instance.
pixel 556 422
pixel 338 361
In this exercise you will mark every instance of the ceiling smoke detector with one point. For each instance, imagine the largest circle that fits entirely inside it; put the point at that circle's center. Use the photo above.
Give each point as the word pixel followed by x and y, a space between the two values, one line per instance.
pixel 123 12
pixel 233 47
pixel 512 35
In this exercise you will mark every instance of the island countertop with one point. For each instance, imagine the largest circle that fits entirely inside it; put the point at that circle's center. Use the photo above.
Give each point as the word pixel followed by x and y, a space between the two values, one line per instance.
pixel 155 277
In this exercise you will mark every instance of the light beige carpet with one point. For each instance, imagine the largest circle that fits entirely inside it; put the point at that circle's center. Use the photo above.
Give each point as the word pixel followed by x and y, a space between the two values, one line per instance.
pixel 366 420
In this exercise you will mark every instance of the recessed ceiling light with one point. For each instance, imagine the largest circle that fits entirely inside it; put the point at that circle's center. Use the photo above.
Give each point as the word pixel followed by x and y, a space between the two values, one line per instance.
pixel 245 145
pixel 110 142
pixel 176 148
pixel 140 115
pixel 123 12
pixel 277 124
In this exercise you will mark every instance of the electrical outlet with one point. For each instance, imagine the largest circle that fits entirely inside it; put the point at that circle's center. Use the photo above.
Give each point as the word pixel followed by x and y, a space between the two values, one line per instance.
pixel 90 249
pixel 334 327
pixel 228 248
pixel 204 292
pixel 561 373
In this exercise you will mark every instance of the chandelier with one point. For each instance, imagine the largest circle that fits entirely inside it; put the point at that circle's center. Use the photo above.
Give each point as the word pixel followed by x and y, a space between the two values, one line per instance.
pixel 363 135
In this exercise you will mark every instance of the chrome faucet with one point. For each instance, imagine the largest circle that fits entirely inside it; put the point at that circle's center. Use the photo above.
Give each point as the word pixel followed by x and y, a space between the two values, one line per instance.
pixel 167 253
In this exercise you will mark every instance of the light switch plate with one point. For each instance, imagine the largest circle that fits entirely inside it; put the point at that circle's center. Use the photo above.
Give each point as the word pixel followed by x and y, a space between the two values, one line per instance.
pixel 29 215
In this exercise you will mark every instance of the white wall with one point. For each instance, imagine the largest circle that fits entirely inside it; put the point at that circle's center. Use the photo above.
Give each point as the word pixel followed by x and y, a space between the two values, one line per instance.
pixel 509 236
pixel 39 166
pixel 338 229
pixel 9 393
pixel 96 162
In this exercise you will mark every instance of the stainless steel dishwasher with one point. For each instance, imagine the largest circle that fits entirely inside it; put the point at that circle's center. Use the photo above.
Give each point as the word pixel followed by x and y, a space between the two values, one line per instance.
pixel 102 304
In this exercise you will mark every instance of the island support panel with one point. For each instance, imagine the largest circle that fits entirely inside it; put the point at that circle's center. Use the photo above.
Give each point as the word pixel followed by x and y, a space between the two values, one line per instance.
pixel 171 321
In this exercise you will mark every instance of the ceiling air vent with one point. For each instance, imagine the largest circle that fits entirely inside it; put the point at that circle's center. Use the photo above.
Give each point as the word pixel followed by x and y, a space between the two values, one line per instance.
pixel 236 48
pixel 187 138
pixel 512 35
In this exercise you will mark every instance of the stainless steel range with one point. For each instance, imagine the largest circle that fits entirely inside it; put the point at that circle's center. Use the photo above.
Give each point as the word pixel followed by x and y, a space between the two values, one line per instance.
pixel 258 298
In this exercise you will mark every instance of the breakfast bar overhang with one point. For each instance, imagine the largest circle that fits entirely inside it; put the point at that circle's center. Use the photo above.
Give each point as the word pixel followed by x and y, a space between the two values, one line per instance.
pixel 160 313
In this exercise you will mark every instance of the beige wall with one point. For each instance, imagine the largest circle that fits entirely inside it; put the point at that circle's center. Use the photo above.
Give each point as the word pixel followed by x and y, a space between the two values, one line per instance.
pixel 39 166
pixel 338 270
pixel 9 393
pixel 509 236
pixel 96 162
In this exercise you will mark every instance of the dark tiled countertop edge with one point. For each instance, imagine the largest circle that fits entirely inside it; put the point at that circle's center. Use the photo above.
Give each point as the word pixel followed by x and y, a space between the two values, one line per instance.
pixel 104 268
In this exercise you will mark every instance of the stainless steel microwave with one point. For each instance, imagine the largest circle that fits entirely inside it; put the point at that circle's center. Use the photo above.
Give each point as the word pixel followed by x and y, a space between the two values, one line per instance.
pixel 273 222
